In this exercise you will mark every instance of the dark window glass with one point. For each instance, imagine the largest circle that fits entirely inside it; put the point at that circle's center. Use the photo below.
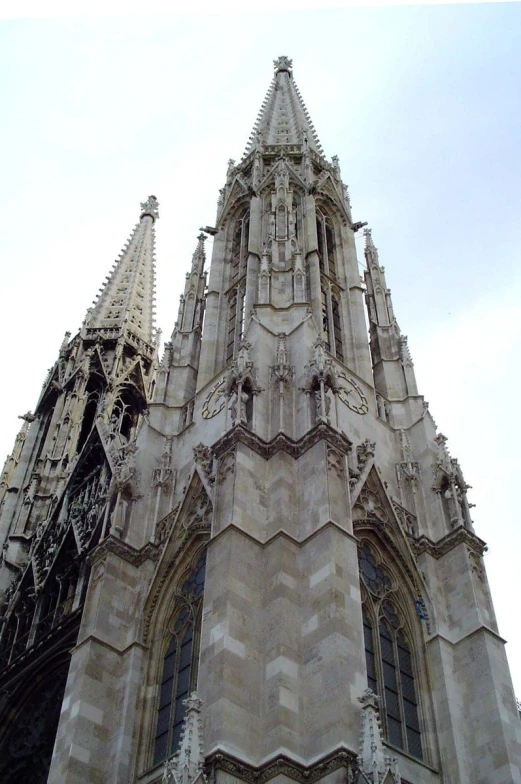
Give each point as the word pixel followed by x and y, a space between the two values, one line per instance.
pixel 337 330
pixel 179 666
pixel 320 242
pixel 374 576
pixel 389 661
pixel 330 242
pixel 325 319
pixel 414 743
pixel 394 728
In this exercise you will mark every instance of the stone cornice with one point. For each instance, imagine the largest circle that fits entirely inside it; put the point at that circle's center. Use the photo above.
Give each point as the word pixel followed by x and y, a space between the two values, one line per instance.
pixel 279 765
pixel 447 543
pixel 482 629
pixel 92 639
pixel 111 544
pixel 282 442
pixel 282 534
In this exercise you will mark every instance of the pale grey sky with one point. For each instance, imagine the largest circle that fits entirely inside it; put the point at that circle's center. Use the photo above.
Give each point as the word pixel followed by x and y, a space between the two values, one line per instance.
pixel 421 104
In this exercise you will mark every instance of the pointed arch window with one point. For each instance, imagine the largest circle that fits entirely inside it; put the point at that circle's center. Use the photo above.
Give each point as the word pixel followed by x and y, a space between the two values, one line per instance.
pixel 337 327
pixel 179 676
pixel 329 293
pixel 389 657
pixel 326 245
pixel 238 263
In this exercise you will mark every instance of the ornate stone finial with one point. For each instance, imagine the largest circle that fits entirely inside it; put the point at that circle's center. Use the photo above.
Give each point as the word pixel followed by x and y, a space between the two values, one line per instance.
pixel 405 353
pixel 282 352
pixel 65 341
pixel 186 766
pixel 405 446
pixel 319 354
pixel 231 168
pixel 150 207
pixel 372 760
pixel 283 63
pixel 199 254
pixel 243 362
pixel 203 457
pixel 368 234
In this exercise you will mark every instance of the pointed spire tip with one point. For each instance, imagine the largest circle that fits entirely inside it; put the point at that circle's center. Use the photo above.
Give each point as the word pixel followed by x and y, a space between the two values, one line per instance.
pixel 283 63
pixel 150 207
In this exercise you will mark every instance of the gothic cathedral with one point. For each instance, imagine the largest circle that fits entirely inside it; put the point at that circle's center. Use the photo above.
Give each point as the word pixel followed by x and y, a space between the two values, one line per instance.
pixel 251 559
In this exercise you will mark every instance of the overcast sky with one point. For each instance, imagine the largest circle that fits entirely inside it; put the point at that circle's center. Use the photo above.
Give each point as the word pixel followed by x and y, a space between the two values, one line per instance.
pixel 422 105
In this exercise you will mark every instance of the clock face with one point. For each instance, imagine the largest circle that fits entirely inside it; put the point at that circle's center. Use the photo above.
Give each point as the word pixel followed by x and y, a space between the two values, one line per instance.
pixel 215 401
pixel 351 395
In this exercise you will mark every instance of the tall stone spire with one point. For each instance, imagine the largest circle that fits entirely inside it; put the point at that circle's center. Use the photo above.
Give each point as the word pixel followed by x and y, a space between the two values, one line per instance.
pixel 179 367
pixel 283 118
pixel 393 367
pixel 125 304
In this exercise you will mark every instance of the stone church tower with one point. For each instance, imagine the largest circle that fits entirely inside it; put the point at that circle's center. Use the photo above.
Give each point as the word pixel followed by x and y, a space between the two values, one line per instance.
pixel 251 560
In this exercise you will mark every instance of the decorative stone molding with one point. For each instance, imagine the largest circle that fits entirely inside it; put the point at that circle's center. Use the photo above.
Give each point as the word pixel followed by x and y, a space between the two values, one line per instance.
pixel 280 766
pixel 364 462
pixel 282 371
pixel 226 464
pixel 112 544
pixel 282 442
pixel 450 484
pixel 241 384
pixel 364 452
pixel 443 546
pixel 407 519
pixel 335 462
pixel 204 459
pixel 405 354
pixel 162 475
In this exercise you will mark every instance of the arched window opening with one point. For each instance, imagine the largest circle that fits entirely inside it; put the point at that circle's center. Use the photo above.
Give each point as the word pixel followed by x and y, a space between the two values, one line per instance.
pixel 330 301
pixel 445 495
pixel 125 411
pixel 370 659
pixel 232 320
pixel 122 418
pixel 93 393
pixel 321 243
pixel 236 299
pixel 337 328
pixel 47 419
pixel 324 294
pixel 239 251
pixel 247 394
pixel 236 253
pixel 179 676
pixel 388 656
pixel 326 245
pixel 235 321
pixel 330 245
pixel 296 217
